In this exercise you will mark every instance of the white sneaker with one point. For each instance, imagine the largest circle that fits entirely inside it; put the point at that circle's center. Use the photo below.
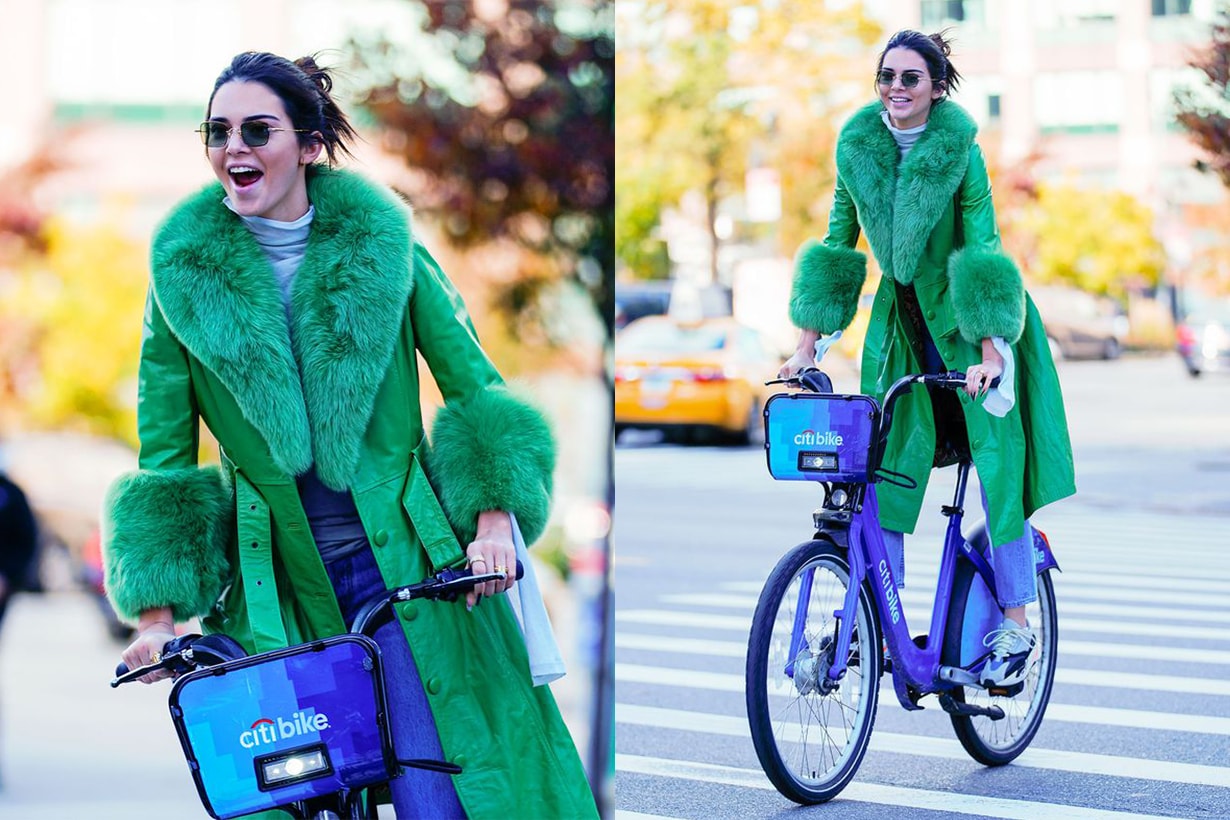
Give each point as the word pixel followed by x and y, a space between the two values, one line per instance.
pixel 1014 651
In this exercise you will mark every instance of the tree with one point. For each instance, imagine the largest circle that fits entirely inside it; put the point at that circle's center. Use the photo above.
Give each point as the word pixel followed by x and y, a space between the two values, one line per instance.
pixel 84 287
pixel 516 142
pixel 1095 240
pixel 709 88
pixel 1204 110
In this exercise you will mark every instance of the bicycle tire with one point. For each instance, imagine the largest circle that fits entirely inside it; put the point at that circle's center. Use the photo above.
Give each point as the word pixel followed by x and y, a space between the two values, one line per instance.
pixel 998 742
pixel 805 767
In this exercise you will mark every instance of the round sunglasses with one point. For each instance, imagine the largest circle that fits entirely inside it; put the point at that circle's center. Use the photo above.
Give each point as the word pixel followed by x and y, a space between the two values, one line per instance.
pixel 909 79
pixel 254 134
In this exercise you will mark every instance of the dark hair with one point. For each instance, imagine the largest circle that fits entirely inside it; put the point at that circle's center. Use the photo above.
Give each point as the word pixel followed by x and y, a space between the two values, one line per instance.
pixel 934 49
pixel 303 87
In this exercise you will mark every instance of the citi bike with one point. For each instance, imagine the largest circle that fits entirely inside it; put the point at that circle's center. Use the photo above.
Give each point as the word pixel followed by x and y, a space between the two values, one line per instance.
pixel 322 740
pixel 830 606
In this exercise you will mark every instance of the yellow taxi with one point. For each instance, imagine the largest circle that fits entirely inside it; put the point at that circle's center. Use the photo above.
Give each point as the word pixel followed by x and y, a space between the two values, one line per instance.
pixel 684 377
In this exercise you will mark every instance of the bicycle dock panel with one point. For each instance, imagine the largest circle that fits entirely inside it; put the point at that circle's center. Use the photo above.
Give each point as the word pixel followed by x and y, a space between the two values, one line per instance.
pixel 284 726
pixel 820 436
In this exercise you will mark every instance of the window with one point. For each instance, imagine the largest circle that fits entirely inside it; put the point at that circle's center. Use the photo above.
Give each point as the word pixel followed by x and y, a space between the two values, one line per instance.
pixel 993 106
pixel 1079 101
pixel 1170 8
pixel 938 13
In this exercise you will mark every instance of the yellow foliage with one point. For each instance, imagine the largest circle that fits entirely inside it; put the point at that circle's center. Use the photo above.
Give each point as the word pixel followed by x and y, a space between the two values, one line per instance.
pixel 80 305
pixel 1097 240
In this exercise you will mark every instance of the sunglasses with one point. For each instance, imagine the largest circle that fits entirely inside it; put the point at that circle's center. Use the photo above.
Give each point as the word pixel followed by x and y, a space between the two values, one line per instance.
pixel 254 134
pixel 909 79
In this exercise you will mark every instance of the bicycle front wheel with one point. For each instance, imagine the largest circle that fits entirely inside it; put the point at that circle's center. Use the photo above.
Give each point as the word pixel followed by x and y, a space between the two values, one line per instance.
pixel 810 734
pixel 972 613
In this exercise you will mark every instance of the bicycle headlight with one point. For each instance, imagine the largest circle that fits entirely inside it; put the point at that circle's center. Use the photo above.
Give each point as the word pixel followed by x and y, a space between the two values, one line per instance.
pixel 284 768
pixel 817 462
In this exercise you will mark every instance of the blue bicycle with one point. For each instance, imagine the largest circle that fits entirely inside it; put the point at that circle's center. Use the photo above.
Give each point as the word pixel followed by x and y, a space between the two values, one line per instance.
pixel 830 607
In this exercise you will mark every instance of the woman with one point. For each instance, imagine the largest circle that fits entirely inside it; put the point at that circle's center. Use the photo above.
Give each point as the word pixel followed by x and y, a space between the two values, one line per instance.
pixel 287 304
pixel 910 174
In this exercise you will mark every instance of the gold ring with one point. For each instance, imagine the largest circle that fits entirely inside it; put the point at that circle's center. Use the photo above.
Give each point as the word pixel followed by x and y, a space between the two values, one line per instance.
pixel 502 569
pixel 476 560
pixel 156 657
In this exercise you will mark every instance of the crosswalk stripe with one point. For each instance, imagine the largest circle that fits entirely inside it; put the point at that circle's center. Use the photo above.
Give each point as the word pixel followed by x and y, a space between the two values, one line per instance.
pixel 620 814
pixel 922 599
pixel 899 743
pixel 952 802
pixel 1063 674
pixel 1066 713
pixel 734 622
pixel 923 583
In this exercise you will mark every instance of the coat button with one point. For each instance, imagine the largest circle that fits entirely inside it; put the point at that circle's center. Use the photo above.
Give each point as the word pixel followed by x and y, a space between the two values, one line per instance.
pixel 461 760
pixel 930 314
pixel 381 538
pixel 409 613
pixel 433 686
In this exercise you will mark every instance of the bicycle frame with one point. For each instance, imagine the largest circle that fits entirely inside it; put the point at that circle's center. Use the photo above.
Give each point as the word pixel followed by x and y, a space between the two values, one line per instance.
pixel 914 666
pixel 917 669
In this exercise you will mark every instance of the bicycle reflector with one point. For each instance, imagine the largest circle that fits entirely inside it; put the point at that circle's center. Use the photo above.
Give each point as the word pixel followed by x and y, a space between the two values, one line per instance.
pixel 273 771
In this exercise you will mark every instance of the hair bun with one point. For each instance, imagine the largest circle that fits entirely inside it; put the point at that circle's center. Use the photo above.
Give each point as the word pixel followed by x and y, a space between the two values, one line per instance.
pixel 315 73
pixel 944 44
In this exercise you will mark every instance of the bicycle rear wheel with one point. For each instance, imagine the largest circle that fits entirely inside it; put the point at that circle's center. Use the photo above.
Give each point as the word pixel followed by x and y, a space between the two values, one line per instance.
pixel 809 735
pixel 971 615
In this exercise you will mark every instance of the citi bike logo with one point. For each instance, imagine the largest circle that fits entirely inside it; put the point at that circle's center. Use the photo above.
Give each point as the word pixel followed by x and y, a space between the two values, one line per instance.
pixel 886 579
pixel 825 439
pixel 267 731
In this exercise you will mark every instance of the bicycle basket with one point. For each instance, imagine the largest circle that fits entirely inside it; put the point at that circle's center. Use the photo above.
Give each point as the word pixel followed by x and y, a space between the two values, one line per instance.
pixel 820 436
pixel 286 725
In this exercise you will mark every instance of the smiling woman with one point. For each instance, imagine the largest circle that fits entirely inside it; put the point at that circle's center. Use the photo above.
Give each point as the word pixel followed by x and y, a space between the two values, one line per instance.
pixel 288 304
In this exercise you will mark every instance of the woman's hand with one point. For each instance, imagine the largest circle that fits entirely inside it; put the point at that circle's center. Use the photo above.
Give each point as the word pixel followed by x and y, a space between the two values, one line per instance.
pixel 804 355
pixel 154 630
pixel 979 376
pixel 492 550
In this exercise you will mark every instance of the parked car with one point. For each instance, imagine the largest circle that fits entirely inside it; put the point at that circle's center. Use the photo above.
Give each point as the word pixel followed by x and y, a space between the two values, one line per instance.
pixel 1202 333
pixel 1080 325
pixel 686 376
pixel 634 300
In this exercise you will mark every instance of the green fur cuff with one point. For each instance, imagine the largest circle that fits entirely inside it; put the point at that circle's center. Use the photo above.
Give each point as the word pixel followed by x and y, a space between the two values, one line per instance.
pixel 165 535
pixel 988 297
pixel 492 451
pixel 827 282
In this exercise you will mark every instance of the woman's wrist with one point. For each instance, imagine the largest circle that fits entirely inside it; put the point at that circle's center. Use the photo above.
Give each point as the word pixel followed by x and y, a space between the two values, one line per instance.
pixel 807 342
pixel 157 618
pixel 493 523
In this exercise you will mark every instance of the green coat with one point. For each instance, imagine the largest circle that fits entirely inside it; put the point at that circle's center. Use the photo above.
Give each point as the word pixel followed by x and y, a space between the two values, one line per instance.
pixel 338 389
pixel 966 293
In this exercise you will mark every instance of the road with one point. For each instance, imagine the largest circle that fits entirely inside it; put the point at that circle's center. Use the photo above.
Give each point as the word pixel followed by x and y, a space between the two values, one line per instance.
pixel 1139 722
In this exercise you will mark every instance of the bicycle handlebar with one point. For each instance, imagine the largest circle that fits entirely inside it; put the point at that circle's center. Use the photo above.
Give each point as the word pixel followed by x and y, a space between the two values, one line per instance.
pixel 187 653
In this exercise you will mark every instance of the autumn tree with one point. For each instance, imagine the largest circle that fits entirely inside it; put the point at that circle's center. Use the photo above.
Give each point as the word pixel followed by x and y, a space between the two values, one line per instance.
pixel 709 88
pixel 517 141
pixel 1096 240
pixel 1204 110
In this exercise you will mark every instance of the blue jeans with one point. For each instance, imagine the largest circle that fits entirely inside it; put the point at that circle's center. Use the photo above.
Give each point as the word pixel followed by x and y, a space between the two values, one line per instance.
pixel 417 793
pixel 1016 579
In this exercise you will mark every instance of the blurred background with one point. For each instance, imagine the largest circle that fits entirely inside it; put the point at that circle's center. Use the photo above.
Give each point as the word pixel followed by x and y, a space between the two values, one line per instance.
pixel 495 118
pixel 1104 124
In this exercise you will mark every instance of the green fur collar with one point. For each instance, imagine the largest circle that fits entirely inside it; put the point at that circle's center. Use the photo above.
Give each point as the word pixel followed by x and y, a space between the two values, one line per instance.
pixel 899 206
pixel 217 291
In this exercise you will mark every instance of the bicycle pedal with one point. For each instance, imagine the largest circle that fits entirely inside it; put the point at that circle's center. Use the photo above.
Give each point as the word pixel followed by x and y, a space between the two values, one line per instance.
pixel 1005 691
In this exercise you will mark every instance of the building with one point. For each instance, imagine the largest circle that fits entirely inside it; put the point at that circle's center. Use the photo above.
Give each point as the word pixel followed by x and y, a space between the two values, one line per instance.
pixel 1087 86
